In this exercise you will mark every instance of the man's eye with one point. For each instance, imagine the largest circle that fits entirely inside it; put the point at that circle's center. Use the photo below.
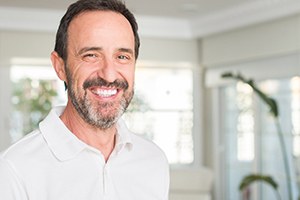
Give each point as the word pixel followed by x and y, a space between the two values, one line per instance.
pixel 123 57
pixel 90 55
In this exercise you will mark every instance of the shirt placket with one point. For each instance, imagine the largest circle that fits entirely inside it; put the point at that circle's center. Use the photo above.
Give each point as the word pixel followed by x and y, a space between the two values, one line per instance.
pixel 105 180
pixel 106 176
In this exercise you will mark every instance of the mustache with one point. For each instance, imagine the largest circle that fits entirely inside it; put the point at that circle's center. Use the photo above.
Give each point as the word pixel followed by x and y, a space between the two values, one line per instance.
pixel 100 82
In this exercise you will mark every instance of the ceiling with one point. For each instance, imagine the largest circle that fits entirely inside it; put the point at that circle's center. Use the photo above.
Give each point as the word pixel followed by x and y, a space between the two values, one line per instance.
pixel 165 8
pixel 166 18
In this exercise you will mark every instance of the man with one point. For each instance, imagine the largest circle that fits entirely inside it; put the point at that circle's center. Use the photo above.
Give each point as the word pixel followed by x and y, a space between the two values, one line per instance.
pixel 83 151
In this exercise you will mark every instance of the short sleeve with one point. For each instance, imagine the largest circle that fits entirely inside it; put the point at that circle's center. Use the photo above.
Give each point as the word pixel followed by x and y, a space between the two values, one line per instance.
pixel 10 186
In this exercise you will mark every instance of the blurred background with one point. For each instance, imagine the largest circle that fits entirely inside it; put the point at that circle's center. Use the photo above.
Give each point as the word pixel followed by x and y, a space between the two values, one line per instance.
pixel 215 131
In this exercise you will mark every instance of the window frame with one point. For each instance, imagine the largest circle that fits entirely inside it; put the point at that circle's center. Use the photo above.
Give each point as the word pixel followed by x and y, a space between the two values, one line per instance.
pixel 197 129
pixel 272 67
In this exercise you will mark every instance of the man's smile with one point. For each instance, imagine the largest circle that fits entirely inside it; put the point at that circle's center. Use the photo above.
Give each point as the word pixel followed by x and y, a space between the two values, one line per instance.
pixel 104 92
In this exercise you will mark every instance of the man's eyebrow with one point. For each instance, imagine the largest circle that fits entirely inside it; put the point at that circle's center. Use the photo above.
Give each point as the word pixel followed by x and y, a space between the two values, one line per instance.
pixel 126 50
pixel 86 49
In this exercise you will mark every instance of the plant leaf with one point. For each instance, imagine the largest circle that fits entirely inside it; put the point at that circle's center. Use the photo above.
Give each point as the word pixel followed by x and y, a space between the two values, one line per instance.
pixel 268 100
pixel 247 180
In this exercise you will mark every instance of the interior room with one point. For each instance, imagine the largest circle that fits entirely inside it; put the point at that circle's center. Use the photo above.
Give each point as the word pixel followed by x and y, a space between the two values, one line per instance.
pixel 215 129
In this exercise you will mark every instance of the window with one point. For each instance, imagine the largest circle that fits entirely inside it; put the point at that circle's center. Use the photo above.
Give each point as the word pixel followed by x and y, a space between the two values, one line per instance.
pixel 166 113
pixel 161 110
pixel 35 89
pixel 250 137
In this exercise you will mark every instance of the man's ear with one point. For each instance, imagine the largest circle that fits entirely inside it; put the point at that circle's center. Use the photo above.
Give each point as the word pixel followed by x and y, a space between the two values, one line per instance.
pixel 59 66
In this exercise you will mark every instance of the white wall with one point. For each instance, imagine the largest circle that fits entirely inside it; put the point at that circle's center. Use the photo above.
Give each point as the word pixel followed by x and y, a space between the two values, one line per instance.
pixel 169 50
pixel 25 44
pixel 274 38
pixel 4 110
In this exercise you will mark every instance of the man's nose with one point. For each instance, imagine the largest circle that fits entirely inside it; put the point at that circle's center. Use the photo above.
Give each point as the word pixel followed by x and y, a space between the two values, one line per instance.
pixel 108 70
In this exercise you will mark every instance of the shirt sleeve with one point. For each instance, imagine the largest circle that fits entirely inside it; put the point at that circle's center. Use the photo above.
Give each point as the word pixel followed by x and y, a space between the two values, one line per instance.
pixel 10 185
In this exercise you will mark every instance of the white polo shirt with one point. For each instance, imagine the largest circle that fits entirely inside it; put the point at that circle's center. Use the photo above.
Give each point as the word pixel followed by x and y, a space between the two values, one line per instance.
pixel 51 163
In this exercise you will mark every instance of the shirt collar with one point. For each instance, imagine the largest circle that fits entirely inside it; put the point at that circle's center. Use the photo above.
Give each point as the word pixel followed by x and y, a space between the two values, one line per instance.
pixel 123 137
pixel 65 145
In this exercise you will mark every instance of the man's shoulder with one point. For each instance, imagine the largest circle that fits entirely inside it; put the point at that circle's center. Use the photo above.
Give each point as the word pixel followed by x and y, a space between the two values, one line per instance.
pixel 143 140
pixel 25 146
pixel 141 145
pixel 147 146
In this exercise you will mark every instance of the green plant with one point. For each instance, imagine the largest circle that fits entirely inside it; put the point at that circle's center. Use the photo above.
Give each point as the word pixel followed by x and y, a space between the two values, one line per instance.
pixel 33 100
pixel 248 180
pixel 272 104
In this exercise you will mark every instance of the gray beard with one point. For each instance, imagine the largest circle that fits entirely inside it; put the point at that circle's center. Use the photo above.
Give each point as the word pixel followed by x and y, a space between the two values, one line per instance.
pixel 94 114
pixel 100 115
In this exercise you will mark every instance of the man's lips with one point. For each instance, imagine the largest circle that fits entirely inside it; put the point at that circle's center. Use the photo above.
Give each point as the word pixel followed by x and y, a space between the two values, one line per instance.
pixel 104 89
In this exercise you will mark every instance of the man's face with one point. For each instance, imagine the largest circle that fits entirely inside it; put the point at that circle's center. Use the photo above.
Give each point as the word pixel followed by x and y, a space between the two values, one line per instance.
pixel 100 66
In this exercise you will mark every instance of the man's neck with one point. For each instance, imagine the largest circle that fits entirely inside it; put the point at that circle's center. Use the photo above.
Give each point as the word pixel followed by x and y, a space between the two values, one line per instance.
pixel 103 140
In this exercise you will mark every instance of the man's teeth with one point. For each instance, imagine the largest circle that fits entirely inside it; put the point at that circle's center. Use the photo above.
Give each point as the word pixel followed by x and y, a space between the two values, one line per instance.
pixel 105 93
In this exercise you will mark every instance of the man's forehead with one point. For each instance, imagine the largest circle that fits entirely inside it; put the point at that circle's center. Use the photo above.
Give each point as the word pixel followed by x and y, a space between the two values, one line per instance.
pixel 101 20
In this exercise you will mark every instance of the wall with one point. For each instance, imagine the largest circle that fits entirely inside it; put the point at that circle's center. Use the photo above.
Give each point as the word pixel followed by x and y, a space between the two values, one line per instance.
pixel 169 50
pixel 25 44
pixel 264 40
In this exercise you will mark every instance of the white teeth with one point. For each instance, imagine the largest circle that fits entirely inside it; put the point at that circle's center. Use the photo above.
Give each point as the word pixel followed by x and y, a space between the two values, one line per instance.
pixel 105 93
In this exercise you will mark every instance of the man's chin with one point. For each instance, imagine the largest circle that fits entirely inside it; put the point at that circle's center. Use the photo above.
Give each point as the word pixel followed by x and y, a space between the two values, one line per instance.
pixel 105 124
pixel 104 119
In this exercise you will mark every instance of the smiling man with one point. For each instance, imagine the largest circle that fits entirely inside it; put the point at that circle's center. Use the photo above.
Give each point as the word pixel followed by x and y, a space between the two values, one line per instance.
pixel 99 73
pixel 83 151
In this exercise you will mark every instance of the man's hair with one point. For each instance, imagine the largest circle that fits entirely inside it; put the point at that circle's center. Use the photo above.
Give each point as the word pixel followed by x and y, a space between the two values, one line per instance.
pixel 92 5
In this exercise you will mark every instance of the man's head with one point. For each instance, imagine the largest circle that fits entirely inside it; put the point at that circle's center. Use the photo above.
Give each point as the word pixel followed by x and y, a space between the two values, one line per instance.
pixel 92 5
pixel 95 53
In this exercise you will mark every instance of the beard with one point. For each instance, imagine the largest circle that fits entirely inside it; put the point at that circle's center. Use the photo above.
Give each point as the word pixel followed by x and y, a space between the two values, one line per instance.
pixel 102 115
